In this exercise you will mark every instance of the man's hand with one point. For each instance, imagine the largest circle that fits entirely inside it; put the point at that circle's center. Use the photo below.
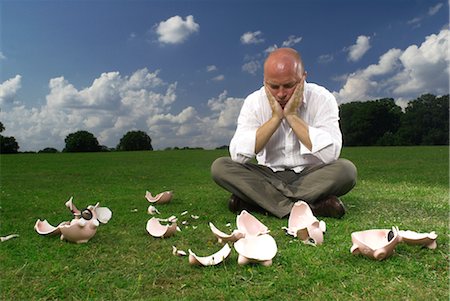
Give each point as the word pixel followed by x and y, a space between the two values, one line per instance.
pixel 296 100
pixel 277 110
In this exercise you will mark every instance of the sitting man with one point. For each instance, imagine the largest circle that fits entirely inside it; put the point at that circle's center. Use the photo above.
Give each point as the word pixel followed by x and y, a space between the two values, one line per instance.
pixel 292 127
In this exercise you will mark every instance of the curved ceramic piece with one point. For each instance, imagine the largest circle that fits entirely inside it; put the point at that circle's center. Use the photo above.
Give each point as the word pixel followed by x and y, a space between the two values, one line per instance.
pixel 152 210
pixel 413 238
pixel 376 244
pixel 155 229
pixel 303 224
pixel 223 237
pixel 103 214
pixel 259 249
pixel 160 198
pixel 213 259
pixel 79 230
pixel 44 228
pixel 69 204
pixel 250 225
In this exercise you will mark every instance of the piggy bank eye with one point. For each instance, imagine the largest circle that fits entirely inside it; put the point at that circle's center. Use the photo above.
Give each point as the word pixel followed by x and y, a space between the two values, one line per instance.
pixel 390 235
pixel 86 214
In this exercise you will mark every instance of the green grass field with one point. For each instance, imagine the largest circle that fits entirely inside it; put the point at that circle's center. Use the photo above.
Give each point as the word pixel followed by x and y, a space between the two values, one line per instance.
pixel 403 186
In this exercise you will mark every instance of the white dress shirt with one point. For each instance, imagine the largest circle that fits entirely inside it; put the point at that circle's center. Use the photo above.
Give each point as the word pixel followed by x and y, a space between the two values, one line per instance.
pixel 284 151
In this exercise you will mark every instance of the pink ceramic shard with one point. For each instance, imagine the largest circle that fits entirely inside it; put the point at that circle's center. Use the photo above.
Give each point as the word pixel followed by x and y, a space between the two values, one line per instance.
pixel 303 224
pixel 80 229
pixel 160 198
pixel 223 237
pixel 424 239
pixel 177 252
pixel 213 259
pixel 156 229
pixel 376 244
pixel 250 225
pixel 258 249
pixel 152 210
pixel 44 228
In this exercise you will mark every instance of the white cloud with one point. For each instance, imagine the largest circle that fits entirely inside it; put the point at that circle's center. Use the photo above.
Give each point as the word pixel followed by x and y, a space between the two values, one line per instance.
pixel 2 56
pixel 434 9
pixel 251 67
pixel 291 41
pixel 211 68
pixel 356 51
pixel 219 78
pixel 113 105
pixel 9 88
pixel 252 37
pixel 325 58
pixel 402 74
pixel 175 30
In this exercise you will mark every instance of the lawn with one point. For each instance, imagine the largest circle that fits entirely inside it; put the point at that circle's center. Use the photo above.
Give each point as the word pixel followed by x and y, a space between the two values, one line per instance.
pixel 403 186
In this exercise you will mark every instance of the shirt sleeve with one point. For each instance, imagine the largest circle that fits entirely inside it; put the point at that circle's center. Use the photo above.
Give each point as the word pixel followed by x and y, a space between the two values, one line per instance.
pixel 242 145
pixel 324 132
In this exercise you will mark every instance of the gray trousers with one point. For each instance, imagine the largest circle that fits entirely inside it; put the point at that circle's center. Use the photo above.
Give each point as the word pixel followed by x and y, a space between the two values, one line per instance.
pixel 276 192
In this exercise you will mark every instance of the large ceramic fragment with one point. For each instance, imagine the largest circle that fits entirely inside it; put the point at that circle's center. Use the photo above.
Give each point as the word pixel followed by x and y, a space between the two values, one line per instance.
pixel 376 243
pixel 424 239
pixel 256 249
pixel 80 229
pixel 303 224
pixel 223 237
pixel 213 259
pixel 156 229
pixel 160 198
pixel 250 225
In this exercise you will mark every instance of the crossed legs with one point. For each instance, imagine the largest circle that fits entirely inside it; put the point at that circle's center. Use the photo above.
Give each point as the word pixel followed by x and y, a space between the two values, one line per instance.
pixel 276 192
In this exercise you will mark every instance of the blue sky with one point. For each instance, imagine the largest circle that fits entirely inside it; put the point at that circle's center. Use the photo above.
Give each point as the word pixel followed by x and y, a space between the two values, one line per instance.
pixel 180 70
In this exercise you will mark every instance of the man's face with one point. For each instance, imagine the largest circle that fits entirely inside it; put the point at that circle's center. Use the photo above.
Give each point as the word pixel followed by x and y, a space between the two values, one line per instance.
pixel 283 86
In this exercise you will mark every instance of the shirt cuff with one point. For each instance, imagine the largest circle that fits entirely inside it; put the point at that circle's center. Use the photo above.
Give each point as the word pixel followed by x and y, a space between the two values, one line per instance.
pixel 319 140
pixel 243 148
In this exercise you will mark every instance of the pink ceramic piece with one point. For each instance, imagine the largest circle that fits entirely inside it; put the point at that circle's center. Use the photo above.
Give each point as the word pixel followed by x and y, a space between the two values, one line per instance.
pixel 156 229
pixel 413 238
pixel 376 244
pixel 250 225
pixel 303 224
pixel 44 228
pixel 80 229
pixel 160 198
pixel 258 249
pixel 223 237
pixel 213 259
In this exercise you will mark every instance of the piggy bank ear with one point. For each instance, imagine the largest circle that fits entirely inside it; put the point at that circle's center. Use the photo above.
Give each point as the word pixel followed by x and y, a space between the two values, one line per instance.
pixel 103 214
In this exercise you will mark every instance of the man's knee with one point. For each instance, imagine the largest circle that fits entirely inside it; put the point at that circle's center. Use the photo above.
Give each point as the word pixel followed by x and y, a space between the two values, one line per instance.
pixel 219 167
pixel 347 172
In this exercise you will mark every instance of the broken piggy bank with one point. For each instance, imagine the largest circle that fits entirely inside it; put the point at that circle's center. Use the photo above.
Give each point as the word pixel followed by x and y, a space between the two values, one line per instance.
pixel 81 228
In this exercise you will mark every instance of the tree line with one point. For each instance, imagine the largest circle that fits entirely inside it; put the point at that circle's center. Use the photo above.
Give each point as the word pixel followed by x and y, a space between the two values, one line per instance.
pixel 425 121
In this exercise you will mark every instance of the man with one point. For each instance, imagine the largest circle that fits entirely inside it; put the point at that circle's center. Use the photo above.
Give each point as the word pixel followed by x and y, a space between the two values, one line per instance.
pixel 292 127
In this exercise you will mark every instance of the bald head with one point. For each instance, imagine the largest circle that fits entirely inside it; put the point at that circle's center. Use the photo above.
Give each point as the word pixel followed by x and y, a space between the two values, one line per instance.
pixel 283 61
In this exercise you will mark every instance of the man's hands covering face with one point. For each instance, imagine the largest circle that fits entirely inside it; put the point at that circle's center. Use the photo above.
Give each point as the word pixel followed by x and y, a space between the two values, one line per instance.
pixel 291 107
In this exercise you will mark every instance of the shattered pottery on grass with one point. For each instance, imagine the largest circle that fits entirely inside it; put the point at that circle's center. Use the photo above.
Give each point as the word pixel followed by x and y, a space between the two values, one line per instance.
pixel 256 249
pixel 81 228
pixel 303 224
pixel 156 229
pixel 427 240
pixel 223 237
pixel 376 243
pixel 160 198
pixel 380 243
pixel 213 259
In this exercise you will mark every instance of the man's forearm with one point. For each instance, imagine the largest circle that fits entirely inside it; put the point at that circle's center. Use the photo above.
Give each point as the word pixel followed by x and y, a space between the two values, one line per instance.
pixel 300 129
pixel 266 131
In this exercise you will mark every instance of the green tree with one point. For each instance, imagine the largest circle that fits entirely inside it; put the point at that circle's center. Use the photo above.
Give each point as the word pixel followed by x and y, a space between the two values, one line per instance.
pixel 370 122
pixel 81 141
pixel 134 141
pixel 8 145
pixel 425 121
